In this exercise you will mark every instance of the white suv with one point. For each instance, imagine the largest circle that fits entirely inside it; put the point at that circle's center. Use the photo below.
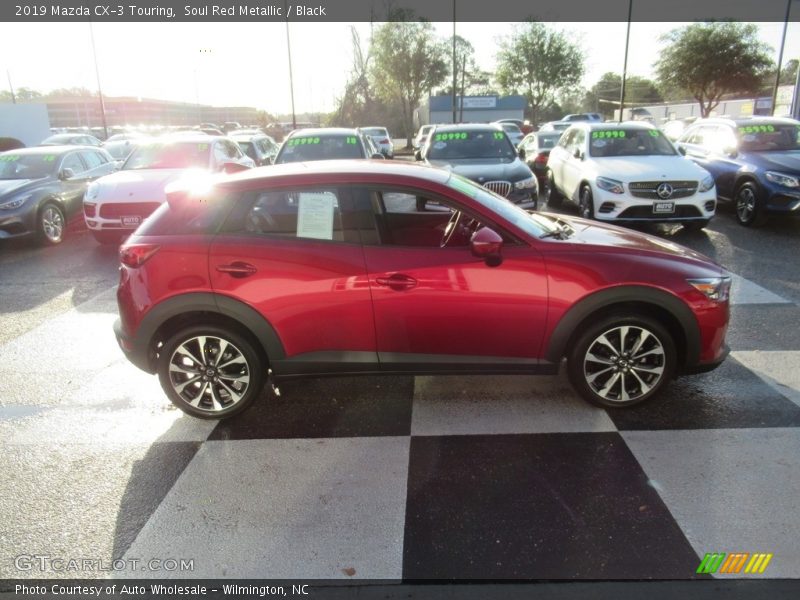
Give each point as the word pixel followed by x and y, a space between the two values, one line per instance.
pixel 629 172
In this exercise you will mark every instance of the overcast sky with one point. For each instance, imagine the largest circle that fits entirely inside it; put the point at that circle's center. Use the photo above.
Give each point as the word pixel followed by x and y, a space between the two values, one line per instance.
pixel 245 64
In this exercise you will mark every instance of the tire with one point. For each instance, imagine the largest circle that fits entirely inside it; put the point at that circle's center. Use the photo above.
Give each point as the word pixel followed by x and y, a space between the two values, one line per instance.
pixel 696 225
pixel 51 224
pixel 616 379
pixel 749 205
pixel 586 203
pixel 554 198
pixel 211 392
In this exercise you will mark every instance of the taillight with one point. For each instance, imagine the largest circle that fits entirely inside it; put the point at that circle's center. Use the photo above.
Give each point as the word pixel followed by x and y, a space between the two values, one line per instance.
pixel 541 158
pixel 136 255
pixel 89 208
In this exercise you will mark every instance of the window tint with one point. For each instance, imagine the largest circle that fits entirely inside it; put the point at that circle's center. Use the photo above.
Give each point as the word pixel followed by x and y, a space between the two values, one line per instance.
pixel 320 214
pixel 93 159
pixel 73 161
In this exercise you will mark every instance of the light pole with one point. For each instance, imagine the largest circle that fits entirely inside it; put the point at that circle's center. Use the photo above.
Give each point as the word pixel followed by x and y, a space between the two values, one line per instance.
pixel 291 79
pixel 780 57
pixel 11 87
pixel 625 65
pixel 99 89
pixel 454 63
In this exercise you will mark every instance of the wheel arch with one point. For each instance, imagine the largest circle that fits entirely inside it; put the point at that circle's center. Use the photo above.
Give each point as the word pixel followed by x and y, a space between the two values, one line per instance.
pixel 181 311
pixel 669 310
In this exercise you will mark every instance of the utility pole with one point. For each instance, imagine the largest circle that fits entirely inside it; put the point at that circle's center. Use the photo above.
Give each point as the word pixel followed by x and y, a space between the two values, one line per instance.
pixel 99 89
pixel 11 87
pixel 625 65
pixel 291 79
pixel 780 57
pixel 454 63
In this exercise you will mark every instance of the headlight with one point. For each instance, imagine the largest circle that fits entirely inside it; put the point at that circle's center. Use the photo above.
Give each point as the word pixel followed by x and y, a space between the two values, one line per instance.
pixel 610 185
pixel 526 183
pixel 16 202
pixel 706 184
pixel 783 179
pixel 715 288
pixel 92 191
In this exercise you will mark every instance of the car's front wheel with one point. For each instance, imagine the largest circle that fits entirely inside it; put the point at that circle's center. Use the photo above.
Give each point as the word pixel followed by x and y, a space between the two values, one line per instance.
pixel 586 203
pixel 554 197
pixel 621 361
pixel 210 372
pixel 750 205
pixel 51 224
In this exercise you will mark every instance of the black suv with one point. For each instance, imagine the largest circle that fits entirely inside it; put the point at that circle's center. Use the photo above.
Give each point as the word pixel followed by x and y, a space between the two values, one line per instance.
pixel 484 154
pixel 755 162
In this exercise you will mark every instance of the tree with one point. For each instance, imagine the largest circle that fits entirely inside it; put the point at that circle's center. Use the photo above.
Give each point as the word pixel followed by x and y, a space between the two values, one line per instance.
pixel 604 95
pixel 789 72
pixel 470 78
pixel 357 104
pixel 710 60
pixel 538 62
pixel 408 61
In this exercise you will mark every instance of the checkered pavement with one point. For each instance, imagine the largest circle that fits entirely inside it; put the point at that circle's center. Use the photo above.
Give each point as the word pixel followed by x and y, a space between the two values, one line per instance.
pixel 402 477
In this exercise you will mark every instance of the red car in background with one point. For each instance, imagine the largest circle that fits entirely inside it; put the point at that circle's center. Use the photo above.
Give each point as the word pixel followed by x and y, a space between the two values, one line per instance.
pixel 328 268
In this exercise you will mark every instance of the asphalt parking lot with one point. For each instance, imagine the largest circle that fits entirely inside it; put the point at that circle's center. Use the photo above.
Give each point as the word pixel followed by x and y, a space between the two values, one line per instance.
pixel 395 477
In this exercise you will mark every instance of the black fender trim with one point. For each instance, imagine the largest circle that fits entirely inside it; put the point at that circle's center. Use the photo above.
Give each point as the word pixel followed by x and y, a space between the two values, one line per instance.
pixel 206 302
pixel 557 345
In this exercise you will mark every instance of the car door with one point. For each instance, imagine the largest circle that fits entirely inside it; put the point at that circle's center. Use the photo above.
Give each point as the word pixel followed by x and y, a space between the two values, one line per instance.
pixel 558 159
pixel 293 256
pixel 73 186
pixel 573 165
pixel 441 308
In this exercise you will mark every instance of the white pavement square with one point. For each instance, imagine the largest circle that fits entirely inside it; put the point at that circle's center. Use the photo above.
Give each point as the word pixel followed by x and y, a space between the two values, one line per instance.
pixel 730 490
pixel 779 368
pixel 311 508
pixel 744 291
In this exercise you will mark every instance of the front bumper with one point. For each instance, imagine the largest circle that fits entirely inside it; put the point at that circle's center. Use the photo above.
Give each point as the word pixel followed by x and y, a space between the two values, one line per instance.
pixel 18 222
pixel 784 201
pixel 608 206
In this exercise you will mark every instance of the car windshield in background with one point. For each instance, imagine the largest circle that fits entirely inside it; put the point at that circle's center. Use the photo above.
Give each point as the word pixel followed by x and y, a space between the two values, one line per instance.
pixel 455 145
pixel 769 138
pixel 510 127
pixel 548 141
pixel 303 148
pixel 248 149
pixel 27 166
pixel 174 155
pixel 629 142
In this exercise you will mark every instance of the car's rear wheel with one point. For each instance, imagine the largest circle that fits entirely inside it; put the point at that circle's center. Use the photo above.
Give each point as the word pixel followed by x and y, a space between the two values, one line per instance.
pixel 621 361
pixel 586 203
pixel 750 205
pixel 51 224
pixel 554 198
pixel 210 372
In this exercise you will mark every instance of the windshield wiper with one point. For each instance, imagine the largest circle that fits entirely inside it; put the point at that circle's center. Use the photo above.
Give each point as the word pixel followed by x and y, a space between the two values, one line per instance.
pixel 561 234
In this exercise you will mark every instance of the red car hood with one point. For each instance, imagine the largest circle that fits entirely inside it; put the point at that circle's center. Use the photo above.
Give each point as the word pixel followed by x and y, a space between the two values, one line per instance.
pixel 592 236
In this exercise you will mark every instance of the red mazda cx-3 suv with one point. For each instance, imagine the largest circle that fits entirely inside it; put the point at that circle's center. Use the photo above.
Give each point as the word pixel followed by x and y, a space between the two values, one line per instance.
pixel 332 268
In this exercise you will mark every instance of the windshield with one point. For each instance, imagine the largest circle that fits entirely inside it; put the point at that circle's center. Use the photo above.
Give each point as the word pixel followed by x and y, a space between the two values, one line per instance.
pixel 119 150
pixel 302 148
pixel 27 166
pixel 548 141
pixel 511 128
pixel 629 142
pixel 533 224
pixel 455 145
pixel 169 155
pixel 769 138
pixel 249 149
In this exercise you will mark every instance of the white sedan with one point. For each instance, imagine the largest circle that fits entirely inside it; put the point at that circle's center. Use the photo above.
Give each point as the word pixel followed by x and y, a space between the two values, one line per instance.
pixel 629 172
pixel 115 205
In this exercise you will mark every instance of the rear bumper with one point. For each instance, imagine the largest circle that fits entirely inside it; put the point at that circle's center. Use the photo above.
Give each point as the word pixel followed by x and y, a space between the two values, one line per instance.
pixel 138 356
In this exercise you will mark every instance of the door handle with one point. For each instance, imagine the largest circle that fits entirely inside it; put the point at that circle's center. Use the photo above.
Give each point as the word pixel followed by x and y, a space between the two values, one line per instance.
pixel 237 269
pixel 397 281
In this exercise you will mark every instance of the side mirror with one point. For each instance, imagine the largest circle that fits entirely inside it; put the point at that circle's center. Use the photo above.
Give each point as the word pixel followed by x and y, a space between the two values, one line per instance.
pixel 417 155
pixel 232 167
pixel 682 150
pixel 66 173
pixel 521 153
pixel 578 154
pixel 487 244
pixel 730 151
pixel 377 155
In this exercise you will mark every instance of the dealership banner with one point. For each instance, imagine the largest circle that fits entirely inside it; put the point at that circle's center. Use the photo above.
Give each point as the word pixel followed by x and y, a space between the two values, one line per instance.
pixel 396 10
